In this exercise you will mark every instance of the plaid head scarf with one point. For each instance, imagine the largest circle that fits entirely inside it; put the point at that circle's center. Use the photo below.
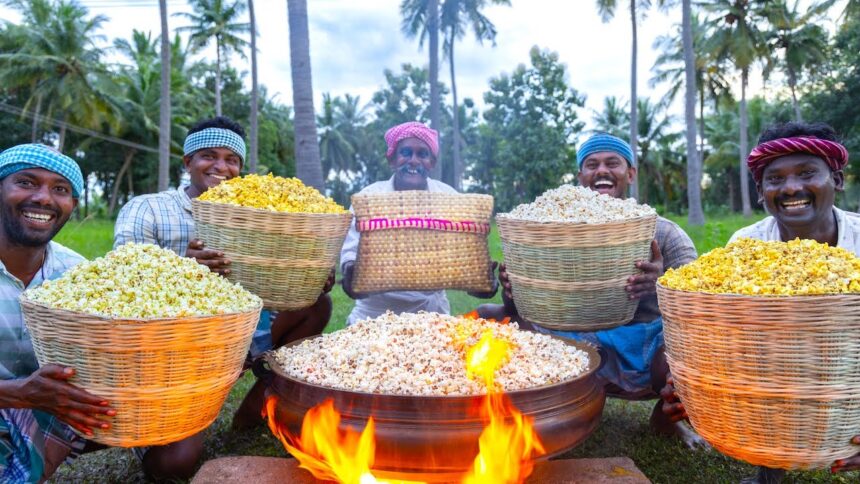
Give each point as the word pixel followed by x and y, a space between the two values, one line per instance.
pixel 33 155
pixel 214 138
pixel 833 153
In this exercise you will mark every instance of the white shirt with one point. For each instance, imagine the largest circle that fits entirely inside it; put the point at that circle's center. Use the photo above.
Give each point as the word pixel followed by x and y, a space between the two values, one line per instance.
pixel 847 226
pixel 396 301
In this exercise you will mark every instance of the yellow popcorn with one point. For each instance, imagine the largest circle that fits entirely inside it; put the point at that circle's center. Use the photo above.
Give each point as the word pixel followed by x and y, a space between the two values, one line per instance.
pixel 754 267
pixel 271 193
pixel 144 281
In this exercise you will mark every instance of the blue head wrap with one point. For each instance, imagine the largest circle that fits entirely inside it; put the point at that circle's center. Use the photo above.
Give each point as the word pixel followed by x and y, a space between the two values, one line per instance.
pixel 604 142
pixel 215 138
pixel 33 155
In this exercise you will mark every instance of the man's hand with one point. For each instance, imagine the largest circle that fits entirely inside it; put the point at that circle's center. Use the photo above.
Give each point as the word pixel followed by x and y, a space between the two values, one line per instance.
pixel 49 391
pixel 493 289
pixel 645 284
pixel 348 273
pixel 329 283
pixel 507 292
pixel 213 259
pixel 849 464
pixel 672 406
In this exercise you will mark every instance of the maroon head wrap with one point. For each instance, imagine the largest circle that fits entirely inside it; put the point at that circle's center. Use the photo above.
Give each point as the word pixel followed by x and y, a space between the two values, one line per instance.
pixel 412 129
pixel 833 153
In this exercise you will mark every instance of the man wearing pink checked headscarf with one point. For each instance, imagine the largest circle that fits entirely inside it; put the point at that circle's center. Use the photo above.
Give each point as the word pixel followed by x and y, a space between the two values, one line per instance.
pixel 797 168
pixel 412 150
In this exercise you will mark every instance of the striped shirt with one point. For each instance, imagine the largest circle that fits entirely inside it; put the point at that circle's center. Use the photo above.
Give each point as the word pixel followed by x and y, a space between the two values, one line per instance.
pixel 163 219
pixel 17 359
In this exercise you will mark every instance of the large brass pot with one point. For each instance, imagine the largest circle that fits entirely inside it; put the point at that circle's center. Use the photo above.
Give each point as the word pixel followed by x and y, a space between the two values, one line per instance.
pixel 435 438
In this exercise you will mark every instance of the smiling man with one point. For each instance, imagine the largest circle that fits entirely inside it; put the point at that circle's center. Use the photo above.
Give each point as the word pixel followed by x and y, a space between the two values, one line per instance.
pixel 797 168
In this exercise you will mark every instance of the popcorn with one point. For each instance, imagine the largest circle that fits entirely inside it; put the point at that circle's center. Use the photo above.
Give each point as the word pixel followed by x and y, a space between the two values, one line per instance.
pixel 141 281
pixel 271 193
pixel 424 354
pixel 754 267
pixel 575 204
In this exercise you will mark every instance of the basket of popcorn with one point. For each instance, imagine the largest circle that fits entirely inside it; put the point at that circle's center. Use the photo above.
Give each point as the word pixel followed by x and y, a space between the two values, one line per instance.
pixel 763 339
pixel 420 240
pixel 157 335
pixel 282 237
pixel 569 255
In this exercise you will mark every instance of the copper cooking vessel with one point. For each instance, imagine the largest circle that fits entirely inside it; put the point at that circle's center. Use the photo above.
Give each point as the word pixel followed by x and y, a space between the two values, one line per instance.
pixel 435 438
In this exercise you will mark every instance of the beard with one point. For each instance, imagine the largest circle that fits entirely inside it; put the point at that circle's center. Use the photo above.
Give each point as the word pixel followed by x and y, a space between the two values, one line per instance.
pixel 20 235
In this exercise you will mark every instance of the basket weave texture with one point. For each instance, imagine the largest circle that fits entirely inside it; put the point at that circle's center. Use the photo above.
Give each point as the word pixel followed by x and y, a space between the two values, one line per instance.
pixel 571 277
pixel 284 258
pixel 773 381
pixel 422 259
pixel 166 378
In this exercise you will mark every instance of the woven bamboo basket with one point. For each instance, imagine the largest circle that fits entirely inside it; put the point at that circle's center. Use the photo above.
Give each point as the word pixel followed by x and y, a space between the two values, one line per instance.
pixel 571 277
pixel 284 258
pixel 773 381
pixel 166 378
pixel 422 241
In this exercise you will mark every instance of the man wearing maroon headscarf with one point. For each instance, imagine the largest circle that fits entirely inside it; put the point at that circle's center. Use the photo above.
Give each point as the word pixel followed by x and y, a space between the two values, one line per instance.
pixel 797 168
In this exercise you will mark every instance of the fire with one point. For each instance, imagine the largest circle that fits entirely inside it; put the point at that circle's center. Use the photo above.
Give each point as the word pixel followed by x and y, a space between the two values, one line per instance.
pixel 508 444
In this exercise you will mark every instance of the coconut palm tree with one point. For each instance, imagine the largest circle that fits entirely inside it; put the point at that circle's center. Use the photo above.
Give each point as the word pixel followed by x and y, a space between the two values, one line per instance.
pixel 164 108
pixel 803 42
pixel 455 19
pixel 738 37
pixel 695 214
pixel 421 19
pixel 308 167
pixel 255 92
pixel 217 19
pixel 614 119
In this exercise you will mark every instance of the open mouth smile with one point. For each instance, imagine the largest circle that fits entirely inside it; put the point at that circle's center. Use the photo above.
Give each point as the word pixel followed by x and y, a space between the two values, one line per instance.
pixel 39 218
pixel 795 205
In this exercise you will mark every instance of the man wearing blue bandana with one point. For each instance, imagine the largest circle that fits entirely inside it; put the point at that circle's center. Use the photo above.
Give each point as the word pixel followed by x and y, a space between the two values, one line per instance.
pixel 214 151
pixel 634 362
pixel 39 190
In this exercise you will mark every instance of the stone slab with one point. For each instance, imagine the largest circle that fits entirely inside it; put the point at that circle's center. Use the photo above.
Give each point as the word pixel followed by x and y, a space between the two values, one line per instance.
pixel 276 470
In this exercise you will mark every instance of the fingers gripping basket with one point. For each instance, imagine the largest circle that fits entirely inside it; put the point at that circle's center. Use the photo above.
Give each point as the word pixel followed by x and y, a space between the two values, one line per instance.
pixel 420 240
pixel 166 378
pixel 774 381
pixel 284 258
pixel 571 276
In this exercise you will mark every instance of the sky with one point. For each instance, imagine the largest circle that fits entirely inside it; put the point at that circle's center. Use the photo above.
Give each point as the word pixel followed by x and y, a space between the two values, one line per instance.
pixel 353 41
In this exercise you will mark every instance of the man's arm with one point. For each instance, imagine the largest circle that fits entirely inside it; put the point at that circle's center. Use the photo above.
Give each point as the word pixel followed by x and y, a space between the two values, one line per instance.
pixel 347 259
pixel 135 223
pixel 48 390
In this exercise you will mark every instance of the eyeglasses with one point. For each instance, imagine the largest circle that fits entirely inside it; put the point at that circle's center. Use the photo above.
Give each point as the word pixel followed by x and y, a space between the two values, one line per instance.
pixel 407 152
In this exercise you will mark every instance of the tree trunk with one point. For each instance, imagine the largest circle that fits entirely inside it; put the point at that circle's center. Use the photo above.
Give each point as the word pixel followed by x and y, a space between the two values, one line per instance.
pixel 217 77
pixel 702 127
pixel 455 140
pixel 792 83
pixel 634 119
pixel 35 133
pixel 435 122
pixel 62 141
pixel 86 195
pixel 126 164
pixel 695 215
pixel 308 166
pixel 164 110
pixel 744 145
pixel 255 92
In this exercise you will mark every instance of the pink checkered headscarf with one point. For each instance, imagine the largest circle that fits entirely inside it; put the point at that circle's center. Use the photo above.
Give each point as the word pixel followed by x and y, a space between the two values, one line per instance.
pixel 412 129
pixel 833 153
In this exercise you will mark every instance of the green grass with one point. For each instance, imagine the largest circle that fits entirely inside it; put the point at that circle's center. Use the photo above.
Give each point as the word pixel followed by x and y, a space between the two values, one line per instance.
pixel 623 431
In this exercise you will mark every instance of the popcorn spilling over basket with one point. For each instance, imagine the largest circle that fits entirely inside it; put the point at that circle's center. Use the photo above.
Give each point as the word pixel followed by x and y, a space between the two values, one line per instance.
pixel 281 237
pixel 763 339
pixel 420 240
pixel 569 254
pixel 159 336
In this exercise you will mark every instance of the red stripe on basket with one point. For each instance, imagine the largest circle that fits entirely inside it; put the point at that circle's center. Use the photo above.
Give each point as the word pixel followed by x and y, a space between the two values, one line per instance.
pixel 423 223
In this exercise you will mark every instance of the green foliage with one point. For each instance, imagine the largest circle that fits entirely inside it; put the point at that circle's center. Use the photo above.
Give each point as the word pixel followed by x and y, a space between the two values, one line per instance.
pixel 532 117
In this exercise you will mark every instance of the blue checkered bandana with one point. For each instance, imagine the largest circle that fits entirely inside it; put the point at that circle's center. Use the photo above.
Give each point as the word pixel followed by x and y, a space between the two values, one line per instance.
pixel 604 142
pixel 215 138
pixel 24 157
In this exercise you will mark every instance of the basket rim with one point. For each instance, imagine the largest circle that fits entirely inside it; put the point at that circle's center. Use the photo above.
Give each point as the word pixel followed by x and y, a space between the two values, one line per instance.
pixel 107 319
pixel 594 361
pixel 547 223
pixel 420 193
pixel 263 211
pixel 763 297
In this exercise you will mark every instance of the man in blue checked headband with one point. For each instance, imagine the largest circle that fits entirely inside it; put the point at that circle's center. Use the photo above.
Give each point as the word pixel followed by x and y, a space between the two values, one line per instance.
pixel 634 363
pixel 214 151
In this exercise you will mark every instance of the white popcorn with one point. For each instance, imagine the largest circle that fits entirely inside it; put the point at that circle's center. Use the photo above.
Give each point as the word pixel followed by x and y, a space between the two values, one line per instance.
pixel 424 354
pixel 575 204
